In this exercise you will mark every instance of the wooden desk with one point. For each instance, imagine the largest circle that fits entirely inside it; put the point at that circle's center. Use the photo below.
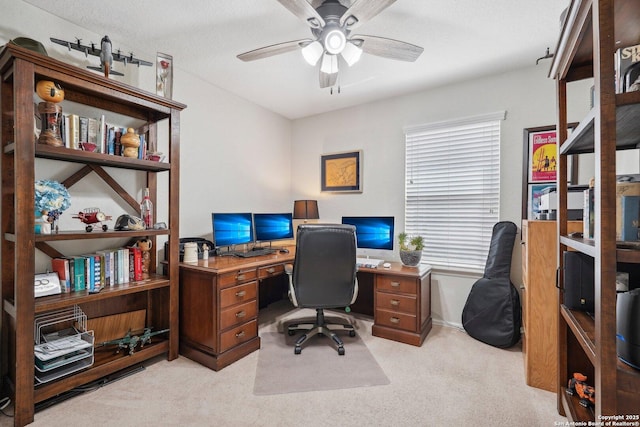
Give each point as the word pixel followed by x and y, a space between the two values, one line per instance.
pixel 219 304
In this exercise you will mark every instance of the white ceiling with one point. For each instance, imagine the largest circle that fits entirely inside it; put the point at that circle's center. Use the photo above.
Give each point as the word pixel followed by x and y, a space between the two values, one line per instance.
pixel 462 39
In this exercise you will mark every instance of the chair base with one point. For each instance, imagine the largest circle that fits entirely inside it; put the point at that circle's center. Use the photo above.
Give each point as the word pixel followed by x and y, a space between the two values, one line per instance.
pixel 320 326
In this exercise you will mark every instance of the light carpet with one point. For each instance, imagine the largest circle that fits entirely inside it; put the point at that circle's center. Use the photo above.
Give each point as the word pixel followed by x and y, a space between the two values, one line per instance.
pixel 451 380
pixel 317 367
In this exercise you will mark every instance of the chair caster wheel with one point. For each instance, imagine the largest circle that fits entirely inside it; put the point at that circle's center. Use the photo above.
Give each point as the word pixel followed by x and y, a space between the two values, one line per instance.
pixel 298 350
pixel 290 332
pixel 341 351
pixel 352 333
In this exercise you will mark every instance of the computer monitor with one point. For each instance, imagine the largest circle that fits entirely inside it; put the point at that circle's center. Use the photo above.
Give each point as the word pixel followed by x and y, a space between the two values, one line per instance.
pixel 372 232
pixel 232 228
pixel 273 226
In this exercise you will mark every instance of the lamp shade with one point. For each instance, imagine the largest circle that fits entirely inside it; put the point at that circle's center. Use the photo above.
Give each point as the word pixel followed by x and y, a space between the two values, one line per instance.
pixel 305 209
pixel 329 64
pixel 312 52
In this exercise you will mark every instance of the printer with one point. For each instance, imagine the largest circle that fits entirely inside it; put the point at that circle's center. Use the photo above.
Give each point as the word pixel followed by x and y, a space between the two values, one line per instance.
pixel 575 203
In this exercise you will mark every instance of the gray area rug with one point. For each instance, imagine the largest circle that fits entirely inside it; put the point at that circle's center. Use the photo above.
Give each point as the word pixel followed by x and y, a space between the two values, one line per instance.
pixel 318 367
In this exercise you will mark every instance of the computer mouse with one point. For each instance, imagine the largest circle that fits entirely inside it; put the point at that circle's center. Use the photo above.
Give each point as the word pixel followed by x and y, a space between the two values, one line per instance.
pixel 284 251
pixel 386 265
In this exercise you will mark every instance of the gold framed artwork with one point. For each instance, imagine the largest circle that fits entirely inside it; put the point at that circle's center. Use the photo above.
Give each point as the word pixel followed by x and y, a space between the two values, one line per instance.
pixel 341 172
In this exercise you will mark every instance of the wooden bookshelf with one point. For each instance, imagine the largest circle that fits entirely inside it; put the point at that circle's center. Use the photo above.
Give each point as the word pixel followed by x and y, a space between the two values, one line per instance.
pixel 21 69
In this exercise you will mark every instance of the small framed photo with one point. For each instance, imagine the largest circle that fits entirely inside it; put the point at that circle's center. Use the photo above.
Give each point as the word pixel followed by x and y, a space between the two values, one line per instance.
pixel 342 172
pixel 535 191
pixel 164 75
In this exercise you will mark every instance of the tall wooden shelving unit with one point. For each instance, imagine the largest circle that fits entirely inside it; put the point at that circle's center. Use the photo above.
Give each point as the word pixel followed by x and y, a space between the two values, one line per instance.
pixel 20 69
pixel 592 31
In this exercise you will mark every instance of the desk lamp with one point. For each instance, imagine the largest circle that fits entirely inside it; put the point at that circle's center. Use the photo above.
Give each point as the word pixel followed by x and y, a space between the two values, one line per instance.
pixel 305 209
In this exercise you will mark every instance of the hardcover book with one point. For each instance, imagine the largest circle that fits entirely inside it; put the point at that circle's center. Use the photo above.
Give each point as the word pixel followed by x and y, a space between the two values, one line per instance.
pixel 627 64
pixel 84 129
pixel 61 266
pixel 630 218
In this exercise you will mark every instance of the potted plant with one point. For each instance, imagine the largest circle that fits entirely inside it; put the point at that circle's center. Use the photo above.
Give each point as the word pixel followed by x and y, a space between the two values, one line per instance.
pixel 410 249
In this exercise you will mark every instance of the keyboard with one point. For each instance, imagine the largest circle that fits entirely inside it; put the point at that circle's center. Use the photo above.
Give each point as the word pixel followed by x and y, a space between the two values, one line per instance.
pixel 368 262
pixel 254 252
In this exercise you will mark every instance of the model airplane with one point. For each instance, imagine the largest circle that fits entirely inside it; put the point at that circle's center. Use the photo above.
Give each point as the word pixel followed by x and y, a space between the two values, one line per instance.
pixel 92 216
pixel 105 52
pixel 131 341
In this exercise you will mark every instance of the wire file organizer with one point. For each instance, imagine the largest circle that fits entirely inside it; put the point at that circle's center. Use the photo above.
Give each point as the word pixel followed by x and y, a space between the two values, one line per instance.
pixel 62 344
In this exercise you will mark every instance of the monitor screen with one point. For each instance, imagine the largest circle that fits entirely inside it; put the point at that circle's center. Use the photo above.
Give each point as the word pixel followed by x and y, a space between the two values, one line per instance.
pixel 273 226
pixel 232 228
pixel 372 232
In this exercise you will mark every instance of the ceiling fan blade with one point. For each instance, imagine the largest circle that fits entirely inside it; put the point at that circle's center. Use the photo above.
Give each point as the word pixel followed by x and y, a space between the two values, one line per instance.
pixel 303 10
pixel 274 49
pixel 364 10
pixel 328 80
pixel 388 48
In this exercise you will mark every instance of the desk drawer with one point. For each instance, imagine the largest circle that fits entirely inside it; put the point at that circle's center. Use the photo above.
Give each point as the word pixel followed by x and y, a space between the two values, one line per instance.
pixel 395 302
pixel 396 320
pixel 400 284
pixel 237 277
pixel 238 314
pixel 238 335
pixel 270 270
pixel 238 294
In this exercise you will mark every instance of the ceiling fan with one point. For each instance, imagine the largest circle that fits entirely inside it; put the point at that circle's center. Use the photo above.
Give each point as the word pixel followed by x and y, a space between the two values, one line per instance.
pixel 331 24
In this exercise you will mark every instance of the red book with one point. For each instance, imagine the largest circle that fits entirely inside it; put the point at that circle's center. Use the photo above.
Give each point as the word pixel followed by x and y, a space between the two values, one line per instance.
pixel 61 266
pixel 135 263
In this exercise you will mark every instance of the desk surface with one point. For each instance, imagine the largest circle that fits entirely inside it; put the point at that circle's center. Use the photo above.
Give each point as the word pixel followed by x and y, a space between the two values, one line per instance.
pixel 224 264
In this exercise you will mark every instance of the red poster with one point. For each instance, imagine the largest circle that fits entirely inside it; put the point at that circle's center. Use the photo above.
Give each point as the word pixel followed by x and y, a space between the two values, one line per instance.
pixel 543 156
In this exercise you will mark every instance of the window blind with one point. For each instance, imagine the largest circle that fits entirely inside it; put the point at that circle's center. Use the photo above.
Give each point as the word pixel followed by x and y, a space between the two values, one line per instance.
pixel 452 173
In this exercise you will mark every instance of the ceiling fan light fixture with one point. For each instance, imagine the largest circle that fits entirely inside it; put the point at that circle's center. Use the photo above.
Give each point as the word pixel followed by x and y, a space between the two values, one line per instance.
pixel 312 52
pixel 329 64
pixel 334 41
pixel 351 53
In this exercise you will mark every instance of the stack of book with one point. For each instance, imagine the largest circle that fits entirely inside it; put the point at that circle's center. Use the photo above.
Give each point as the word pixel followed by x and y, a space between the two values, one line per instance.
pixel 95 134
pixel 98 270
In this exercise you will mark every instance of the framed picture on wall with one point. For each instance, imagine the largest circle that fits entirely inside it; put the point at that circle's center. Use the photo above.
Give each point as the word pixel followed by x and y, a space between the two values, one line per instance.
pixel 533 199
pixel 341 172
pixel 540 165
pixel 543 155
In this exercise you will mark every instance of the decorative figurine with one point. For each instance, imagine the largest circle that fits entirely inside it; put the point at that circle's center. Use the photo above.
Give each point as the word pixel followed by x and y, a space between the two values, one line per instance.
pixel 91 216
pixel 145 246
pixel 50 112
pixel 578 385
pixel 130 141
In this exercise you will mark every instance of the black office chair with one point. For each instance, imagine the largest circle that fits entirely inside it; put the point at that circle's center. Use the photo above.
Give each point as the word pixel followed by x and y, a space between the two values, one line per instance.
pixel 323 276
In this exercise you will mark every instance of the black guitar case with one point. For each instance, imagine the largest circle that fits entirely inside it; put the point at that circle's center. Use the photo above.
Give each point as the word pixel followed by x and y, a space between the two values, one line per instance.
pixel 492 313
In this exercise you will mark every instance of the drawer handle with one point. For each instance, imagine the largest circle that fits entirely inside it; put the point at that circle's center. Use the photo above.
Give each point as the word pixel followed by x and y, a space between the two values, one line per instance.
pixel 240 294
pixel 241 314
pixel 394 320
pixel 240 334
pixel 395 284
pixel 395 302
pixel 271 270
pixel 240 277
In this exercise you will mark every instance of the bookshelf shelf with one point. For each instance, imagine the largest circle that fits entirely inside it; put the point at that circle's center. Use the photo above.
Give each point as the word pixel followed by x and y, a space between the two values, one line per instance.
pixel 55 302
pixel 20 70
pixel 106 362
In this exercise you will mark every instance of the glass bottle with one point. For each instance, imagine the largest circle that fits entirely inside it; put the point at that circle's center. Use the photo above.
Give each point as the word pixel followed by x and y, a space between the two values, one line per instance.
pixel 146 210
